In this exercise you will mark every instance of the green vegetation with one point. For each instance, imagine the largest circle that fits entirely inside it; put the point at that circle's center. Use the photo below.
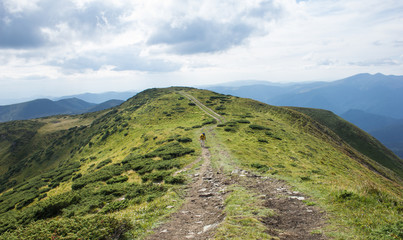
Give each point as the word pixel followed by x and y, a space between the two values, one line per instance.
pixel 243 212
pixel 116 170
pixel 363 198
pixel 357 138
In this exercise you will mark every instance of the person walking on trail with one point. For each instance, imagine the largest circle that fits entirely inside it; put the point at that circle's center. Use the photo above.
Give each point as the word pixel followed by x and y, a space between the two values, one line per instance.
pixel 202 139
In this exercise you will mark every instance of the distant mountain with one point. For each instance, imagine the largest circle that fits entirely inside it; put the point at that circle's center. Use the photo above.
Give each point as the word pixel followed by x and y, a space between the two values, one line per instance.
pixel 371 102
pixel 387 130
pixel 106 105
pixel 376 94
pixel 368 121
pixel 101 97
pixel 391 136
pixel 45 107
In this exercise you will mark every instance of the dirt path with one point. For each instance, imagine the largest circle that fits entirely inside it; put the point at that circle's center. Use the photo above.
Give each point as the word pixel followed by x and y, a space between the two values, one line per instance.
pixel 202 211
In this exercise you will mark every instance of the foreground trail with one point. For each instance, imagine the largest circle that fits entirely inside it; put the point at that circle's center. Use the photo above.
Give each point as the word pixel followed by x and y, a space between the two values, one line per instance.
pixel 202 210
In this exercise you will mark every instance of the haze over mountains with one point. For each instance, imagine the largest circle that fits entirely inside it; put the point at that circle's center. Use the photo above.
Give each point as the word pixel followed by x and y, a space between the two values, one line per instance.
pixel 46 107
pixel 372 102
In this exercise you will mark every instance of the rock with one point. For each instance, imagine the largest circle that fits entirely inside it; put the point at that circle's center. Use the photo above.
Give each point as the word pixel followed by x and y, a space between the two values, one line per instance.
pixel 164 231
pixel 209 227
pixel 203 190
pixel 297 197
pixel 206 194
pixel 236 171
pixel 169 207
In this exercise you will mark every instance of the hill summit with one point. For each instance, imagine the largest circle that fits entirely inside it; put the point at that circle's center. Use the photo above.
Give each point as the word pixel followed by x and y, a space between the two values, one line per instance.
pixel 266 172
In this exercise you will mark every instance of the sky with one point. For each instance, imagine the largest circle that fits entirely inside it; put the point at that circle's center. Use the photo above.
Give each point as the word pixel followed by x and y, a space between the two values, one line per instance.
pixel 57 48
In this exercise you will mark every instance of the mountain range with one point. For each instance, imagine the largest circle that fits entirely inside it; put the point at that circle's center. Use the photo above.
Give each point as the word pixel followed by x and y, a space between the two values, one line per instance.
pixel 138 171
pixel 46 107
pixel 372 102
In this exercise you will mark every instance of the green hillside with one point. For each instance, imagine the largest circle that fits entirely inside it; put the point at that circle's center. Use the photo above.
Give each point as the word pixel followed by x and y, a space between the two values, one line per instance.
pixel 118 173
pixel 358 139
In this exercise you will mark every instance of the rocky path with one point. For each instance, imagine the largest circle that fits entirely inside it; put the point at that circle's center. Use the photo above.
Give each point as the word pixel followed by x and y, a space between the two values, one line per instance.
pixel 202 211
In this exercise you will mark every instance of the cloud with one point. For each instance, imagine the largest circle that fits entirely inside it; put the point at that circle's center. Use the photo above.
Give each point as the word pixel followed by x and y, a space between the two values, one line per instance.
pixel 210 33
pixel 201 36
pixel 124 59
pixel 376 62
pixel 17 32
pixel 36 26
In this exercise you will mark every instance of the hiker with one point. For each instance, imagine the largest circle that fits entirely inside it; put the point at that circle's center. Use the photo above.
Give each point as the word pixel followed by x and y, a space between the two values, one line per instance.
pixel 202 139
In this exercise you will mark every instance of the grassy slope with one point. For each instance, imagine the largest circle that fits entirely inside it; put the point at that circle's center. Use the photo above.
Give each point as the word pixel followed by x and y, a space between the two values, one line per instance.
pixel 357 138
pixel 295 148
pixel 144 123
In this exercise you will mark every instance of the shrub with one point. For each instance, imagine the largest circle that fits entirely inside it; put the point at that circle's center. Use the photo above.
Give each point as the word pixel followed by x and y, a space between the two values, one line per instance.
pixel 100 175
pixel 184 139
pixel 305 178
pixel 212 121
pixel 230 129
pixel 157 176
pixel 169 151
pixel 117 179
pixel 257 127
pixel 260 167
pixel 243 121
pixel 262 140
pixel 192 104
pixel 95 227
pixel 103 163
pixel 115 206
pixel 175 179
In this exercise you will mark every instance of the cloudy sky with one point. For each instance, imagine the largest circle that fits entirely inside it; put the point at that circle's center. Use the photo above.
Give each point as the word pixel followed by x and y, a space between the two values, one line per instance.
pixel 55 48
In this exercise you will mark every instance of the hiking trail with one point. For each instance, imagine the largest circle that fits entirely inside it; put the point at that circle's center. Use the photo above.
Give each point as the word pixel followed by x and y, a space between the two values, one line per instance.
pixel 202 211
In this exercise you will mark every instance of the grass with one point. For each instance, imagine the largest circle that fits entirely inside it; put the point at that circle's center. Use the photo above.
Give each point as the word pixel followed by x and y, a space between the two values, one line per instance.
pixel 150 136
pixel 243 211
pixel 314 164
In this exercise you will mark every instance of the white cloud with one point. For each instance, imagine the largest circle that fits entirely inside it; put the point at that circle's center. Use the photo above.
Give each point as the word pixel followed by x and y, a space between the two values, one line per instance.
pixel 192 42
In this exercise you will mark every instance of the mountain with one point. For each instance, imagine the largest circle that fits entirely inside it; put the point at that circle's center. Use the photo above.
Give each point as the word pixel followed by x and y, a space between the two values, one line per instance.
pixel 387 130
pixel 391 136
pixel 376 94
pixel 368 121
pixel 101 97
pixel 371 102
pixel 45 107
pixel 137 170
pixel 355 137
pixel 105 105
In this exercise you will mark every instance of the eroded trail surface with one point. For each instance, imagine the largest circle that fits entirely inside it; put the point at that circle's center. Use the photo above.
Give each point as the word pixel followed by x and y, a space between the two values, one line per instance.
pixel 202 211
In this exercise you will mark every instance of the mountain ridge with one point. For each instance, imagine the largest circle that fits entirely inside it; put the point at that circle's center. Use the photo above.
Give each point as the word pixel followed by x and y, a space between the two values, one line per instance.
pixel 131 164
pixel 46 107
